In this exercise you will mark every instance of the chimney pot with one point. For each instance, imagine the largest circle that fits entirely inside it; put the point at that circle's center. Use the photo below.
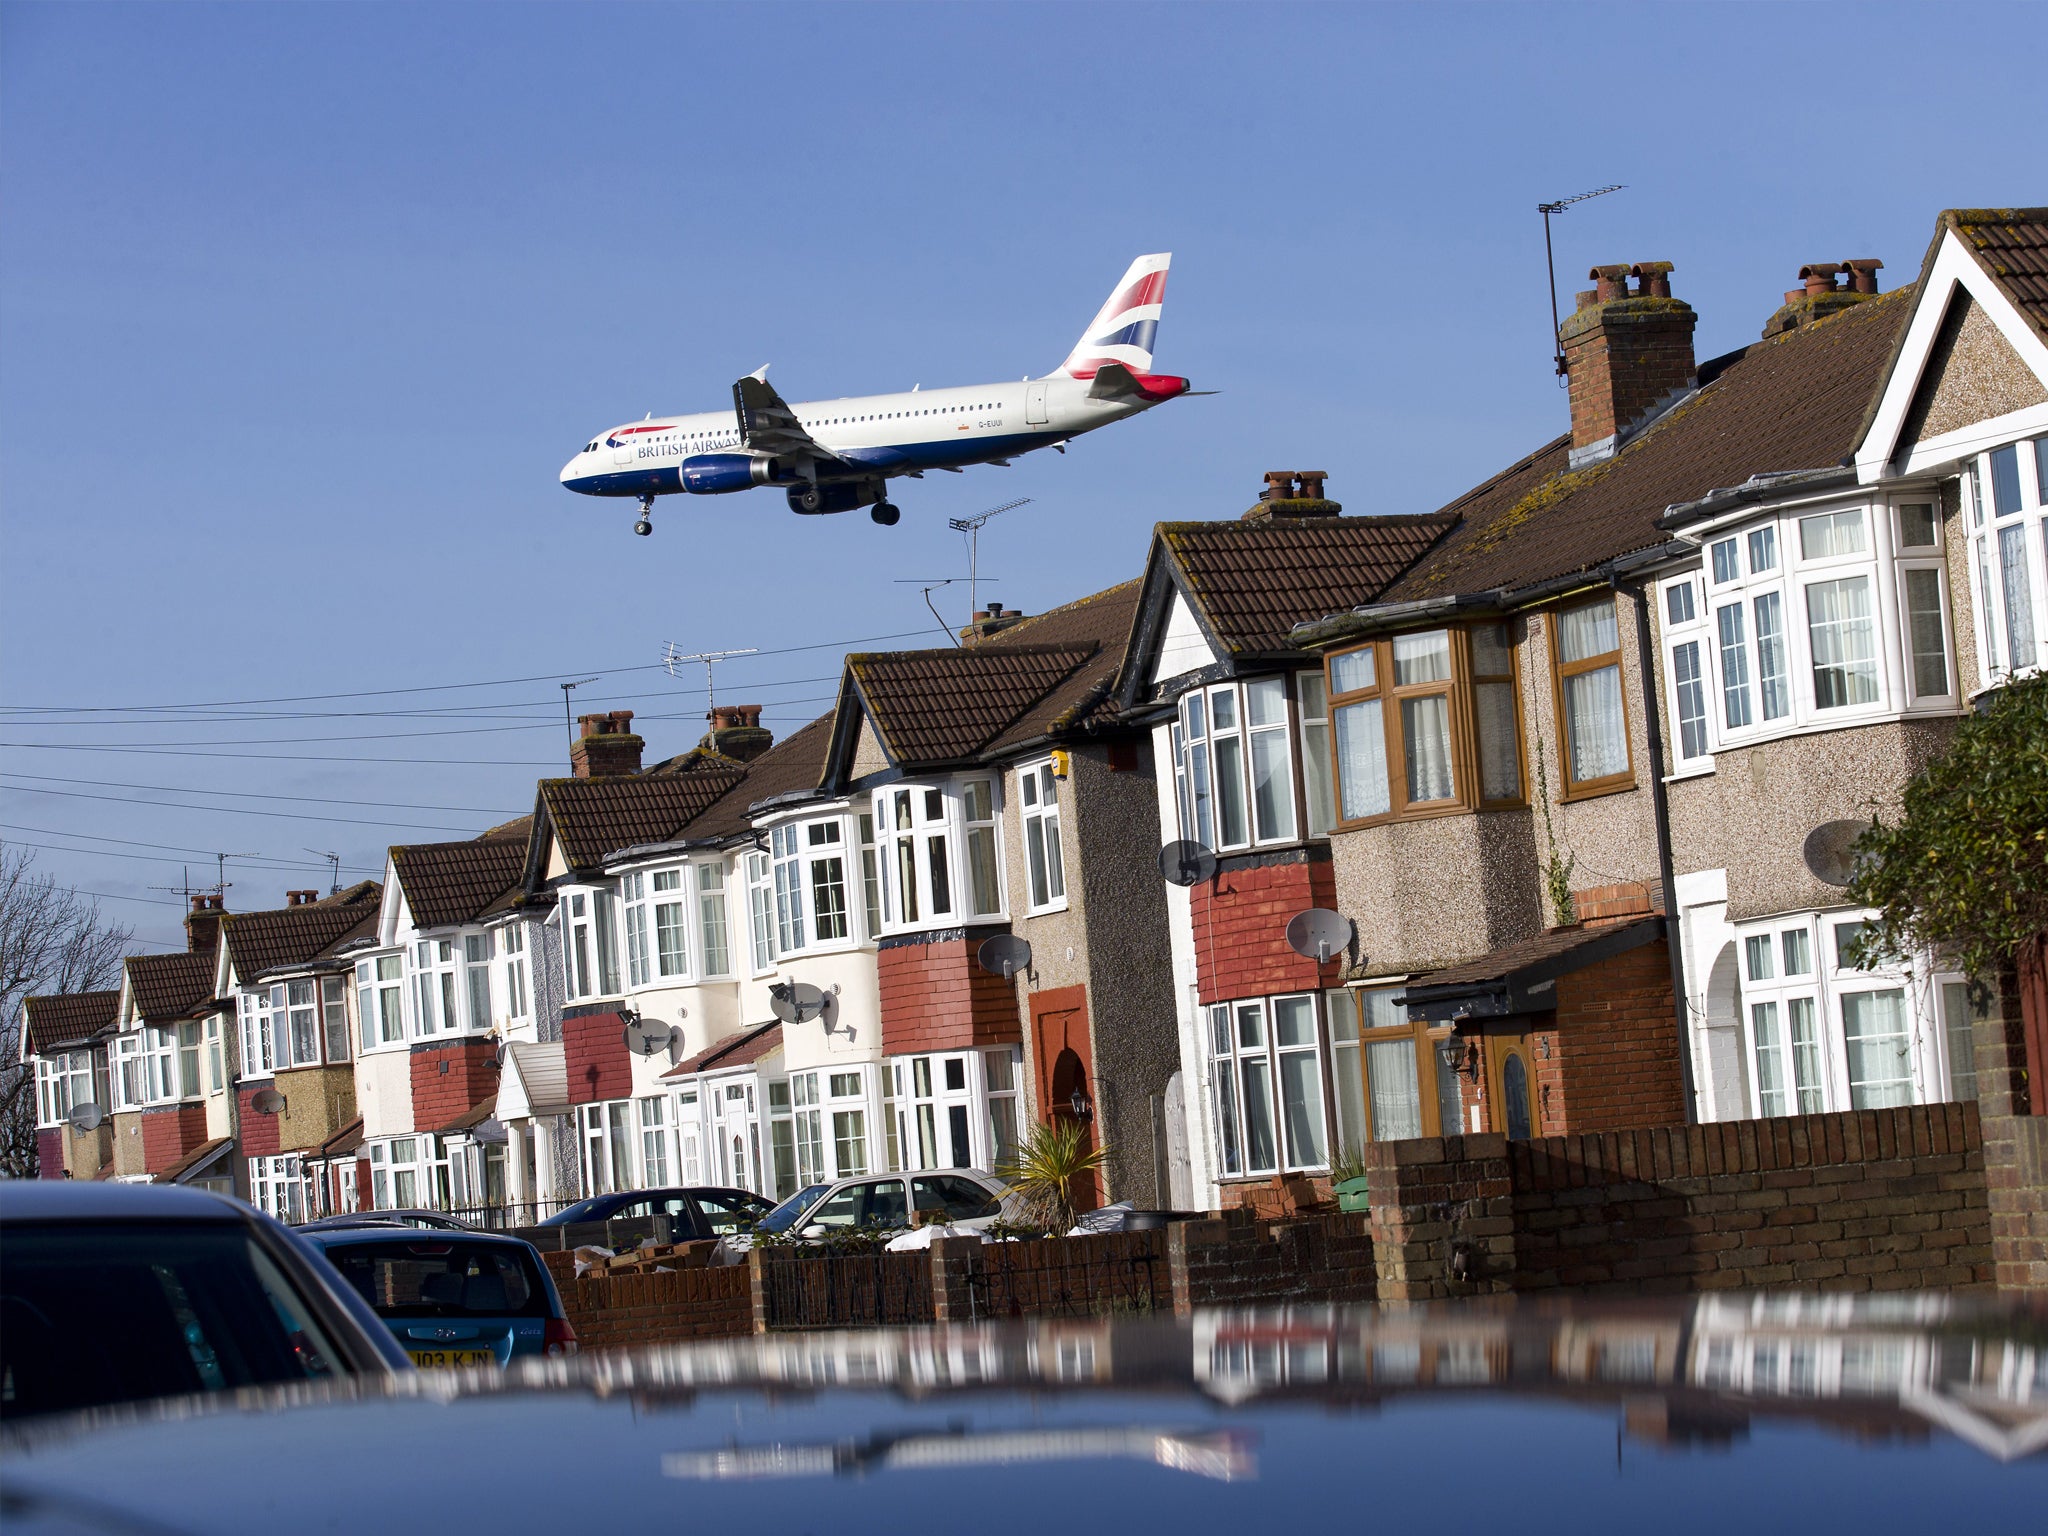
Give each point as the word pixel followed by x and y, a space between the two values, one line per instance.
pixel 1279 485
pixel 736 732
pixel 607 748
pixel 1653 279
pixel 1819 276
pixel 1611 283
pixel 1862 274
pixel 1626 362
pixel 1312 483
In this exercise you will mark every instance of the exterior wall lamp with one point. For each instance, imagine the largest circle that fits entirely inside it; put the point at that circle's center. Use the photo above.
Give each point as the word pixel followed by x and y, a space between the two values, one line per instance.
pixel 1078 1102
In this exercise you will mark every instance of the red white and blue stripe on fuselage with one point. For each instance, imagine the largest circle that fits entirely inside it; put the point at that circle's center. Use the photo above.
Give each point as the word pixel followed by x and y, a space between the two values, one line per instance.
pixel 664 479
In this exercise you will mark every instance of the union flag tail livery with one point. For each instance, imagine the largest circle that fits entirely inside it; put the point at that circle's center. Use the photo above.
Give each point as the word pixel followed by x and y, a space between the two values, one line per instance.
pixel 1123 331
pixel 839 455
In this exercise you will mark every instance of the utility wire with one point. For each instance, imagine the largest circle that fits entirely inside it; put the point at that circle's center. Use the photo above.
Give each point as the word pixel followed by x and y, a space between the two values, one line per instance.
pixel 228 810
pixel 130 842
pixel 238 794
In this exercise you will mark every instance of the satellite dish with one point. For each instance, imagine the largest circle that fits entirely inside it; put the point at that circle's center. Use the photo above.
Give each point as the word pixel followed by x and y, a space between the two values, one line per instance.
pixel 86 1117
pixel 267 1101
pixel 795 1002
pixel 1186 862
pixel 647 1037
pixel 1830 850
pixel 1004 955
pixel 1318 933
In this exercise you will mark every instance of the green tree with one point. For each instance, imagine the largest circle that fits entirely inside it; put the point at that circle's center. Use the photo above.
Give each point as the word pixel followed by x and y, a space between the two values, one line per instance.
pixel 1964 870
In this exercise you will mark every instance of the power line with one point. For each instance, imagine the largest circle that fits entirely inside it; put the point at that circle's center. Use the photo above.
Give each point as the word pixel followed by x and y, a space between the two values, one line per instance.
pixel 131 842
pixel 228 810
pixel 238 794
pixel 158 858
pixel 289 757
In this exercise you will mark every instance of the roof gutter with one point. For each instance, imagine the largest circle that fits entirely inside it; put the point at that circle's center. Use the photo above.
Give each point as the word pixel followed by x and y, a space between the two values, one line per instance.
pixel 1758 488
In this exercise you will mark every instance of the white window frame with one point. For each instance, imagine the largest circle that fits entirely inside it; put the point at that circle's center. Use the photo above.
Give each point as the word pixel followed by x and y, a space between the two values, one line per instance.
pixel 760 911
pixel 380 997
pixel 590 944
pixel 1990 530
pixel 335 1036
pixel 1040 826
pixel 259 1041
pixel 714 920
pixel 1242 1038
pixel 1204 782
pixel 297 1004
pixel 816 881
pixel 415 1180
pixel 435 965
pixel 1913 565
pixel 277 1184
pixel 926 834
pixel 517 972
pixel 63 1082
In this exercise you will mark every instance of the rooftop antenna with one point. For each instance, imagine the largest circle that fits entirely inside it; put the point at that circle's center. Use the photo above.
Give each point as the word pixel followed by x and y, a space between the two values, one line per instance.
pixel 334 870
pixel 1549 261
pixel 568 722
pixel 673 658
pixel 972 526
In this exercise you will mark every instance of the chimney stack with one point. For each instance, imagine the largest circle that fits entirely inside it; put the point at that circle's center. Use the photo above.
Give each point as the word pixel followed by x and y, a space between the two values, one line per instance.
pixel 1825 288
pixel 202 923
pixel 1629 356
pixel 736 732
pixel 1290 494
pixel 607 748
pixel 300 898
pixel 991 620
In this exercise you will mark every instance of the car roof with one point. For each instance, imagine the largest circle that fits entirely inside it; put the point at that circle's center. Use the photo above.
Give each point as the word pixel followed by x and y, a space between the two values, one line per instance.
pixel 333 1237
pixel 93 1200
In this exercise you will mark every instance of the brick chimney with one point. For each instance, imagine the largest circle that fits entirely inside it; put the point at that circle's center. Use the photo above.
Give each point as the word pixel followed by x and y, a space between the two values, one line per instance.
pixel 1825 288
pixel 1293 493
pixel 1629 354
pixel 607 748
pixel 736 732
pixel 202 923
pixel 300 898
pixel 991 620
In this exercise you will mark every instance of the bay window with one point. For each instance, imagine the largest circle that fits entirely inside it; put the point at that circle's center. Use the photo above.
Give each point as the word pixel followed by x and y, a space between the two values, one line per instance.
pixel 1038 808
pixel 2007 493
pixel 1394 1084
pixel 302 1025
pixel 476 978
pixel 434 987
pixel 1269 1085
pixel 937 854
pixel 334 1017
pixel 671 923
pixel 1426 724
pixel 277 1185
pixel 63 1082
pixel 518 990
pixel 633 897
pixel 1586 652
pixel 711 941
pixel 124 1061
pixel 408 1173
pixel 810 885
pixel 380 1009
pixel 590 952
pixel 259 1053
pixel 159 1065
pixel 1234 764
pixel 978 822
pixel 761 911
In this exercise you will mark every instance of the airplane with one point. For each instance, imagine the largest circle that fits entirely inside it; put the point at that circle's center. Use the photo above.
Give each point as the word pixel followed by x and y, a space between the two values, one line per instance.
pixel 839 455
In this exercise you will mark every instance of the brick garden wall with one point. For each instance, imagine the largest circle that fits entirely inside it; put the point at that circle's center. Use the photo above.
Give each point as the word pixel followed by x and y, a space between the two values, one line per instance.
pixel 1613 1062
pixel 628 1311
pixel 1240 927
pixel 936 997
pixel 1867 1200
pixel 1236 1258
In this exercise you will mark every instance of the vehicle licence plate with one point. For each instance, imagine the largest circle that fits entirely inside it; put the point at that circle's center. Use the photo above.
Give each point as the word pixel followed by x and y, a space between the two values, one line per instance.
pixel 449 1357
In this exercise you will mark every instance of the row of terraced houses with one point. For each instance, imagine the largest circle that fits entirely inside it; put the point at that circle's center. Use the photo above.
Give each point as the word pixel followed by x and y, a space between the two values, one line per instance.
pixel 1552 753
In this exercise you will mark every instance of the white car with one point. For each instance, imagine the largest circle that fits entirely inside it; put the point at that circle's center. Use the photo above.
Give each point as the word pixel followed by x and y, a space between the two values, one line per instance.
pixel 969 1198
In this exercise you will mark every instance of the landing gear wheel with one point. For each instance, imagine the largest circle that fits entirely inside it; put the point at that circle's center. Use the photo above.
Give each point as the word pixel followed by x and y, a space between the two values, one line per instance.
pixel 807 498
pixel 643 527
pixel 885 513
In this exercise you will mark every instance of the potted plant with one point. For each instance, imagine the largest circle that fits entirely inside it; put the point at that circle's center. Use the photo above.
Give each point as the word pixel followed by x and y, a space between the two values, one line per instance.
pixel 1348 1182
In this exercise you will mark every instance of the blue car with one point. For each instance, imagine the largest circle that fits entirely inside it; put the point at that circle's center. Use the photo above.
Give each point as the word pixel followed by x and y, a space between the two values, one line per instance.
pixel 452 1298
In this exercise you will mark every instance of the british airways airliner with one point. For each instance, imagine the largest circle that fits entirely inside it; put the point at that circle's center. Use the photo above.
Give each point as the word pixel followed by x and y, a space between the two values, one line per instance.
pixel 838 455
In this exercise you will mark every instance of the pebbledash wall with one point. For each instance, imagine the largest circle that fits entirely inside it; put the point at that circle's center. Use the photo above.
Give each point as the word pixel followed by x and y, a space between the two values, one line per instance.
pixel 1863 1200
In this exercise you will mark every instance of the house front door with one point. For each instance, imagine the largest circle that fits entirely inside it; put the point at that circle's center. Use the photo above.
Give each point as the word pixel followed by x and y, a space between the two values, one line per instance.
pixel 1511 1085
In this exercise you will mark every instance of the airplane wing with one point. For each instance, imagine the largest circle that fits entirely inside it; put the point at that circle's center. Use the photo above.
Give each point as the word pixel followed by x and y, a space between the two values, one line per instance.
pixel 767 425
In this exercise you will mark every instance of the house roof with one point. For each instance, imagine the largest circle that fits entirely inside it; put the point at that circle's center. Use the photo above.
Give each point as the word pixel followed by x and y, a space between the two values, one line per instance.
pixel 1794 402
pixel 542 1067
pixel 259 942
pixel 167 987
pixel 931 707
pixel 2011 245
pixel 342 1142
pixel 68 1018
pixel 471 1117
pixel 1517 978
pixel 1253 581
pixel 197 1161
pixel 795 763
pixel 446 884
pixel 596 817
pixel 731 1052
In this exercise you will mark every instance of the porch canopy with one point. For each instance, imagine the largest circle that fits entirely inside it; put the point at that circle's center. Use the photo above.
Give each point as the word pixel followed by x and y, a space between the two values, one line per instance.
pixel 1522 978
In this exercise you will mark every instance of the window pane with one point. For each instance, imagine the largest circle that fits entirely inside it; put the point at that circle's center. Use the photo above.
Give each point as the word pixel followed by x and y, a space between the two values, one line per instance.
pixel 1770 1059
pixel 1805 1054
pixel 1315 775
pixel 828 898
pixel 1831 533
pixel 1917 525
pixel 1880 1064
pixel 1272 784
pixel 1583 633
pixel 2005 480
pixel 1692 700
pixel 1727 563
pixel 983 891
pixel 1678 603
pixel 1294 1022
pixel 1962 1045
pixel 1839 627
pixel 1759 957
pixel 1230 807
pixel 1034 855
pixel 1258 1116
pixel 1490 654
pixel 1796 949
pixel 1223 710
pixel 1773 687
pixel 1426 739
pixel 1352 670
pixel 1599 745
pixel 1424 658
pixel 1734 667
pixel 1301 1107
pixel 670 943
pixel 1763 550
pixel 1396 1093
pixel 1926 634
pixel 1265 702
pixel 2019 599
pixel 1198 787
pixel 1226 1118
pixel 1347 1085
pixel 1500 763
pixel 1362 760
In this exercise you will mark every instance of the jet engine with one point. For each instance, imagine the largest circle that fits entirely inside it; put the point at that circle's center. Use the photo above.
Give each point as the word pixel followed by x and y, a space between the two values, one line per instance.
pixel 713 474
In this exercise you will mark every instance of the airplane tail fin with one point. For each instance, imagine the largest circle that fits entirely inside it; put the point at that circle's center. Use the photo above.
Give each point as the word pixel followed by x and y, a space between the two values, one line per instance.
pixel 1123 330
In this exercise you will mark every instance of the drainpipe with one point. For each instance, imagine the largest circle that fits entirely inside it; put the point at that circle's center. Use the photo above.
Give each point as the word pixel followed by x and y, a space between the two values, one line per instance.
pixel 1660 810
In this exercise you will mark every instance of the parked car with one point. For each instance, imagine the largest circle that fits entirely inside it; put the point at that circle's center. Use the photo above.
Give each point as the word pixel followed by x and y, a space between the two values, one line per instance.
pixel 961 1197
pixel 695 1212
pixel 453 1298
pixel 112 1293
pixel 433 1221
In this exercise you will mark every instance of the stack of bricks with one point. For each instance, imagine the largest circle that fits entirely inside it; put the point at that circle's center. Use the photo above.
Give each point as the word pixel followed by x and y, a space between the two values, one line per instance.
pixel 1611 1063
pixel 1234 1258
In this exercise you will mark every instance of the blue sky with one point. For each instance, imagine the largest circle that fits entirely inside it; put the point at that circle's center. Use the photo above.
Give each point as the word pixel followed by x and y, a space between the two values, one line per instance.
pixel 303 307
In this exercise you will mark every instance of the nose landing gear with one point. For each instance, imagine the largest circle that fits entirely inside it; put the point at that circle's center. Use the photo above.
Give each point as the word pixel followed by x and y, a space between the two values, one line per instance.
pixel 644 527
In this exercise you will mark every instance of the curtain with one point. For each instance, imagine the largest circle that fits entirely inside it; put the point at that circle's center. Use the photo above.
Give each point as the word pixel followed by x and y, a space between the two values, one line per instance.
pixel 1880 1068
pixel 1770 656
pixel 1592 703
pixel 1586 632
pixel 1770 1059
pixel 1839 626
pixel 1301 1108
pixel 1396 1090
pixel 1362 760
pixel 1805 1055
pixel 1928 638
pixel 1423 658
pixel 2019 601
pixel 1258 1116
pixel 1426 736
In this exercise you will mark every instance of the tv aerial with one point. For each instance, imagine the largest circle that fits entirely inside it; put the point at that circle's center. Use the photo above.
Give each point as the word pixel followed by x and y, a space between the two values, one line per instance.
pixel 1318 934
pixel 1830 851
pixel 568 720
pixel 1004 955
pixel 971 528
pixel 671 658
pixel 1550 263
pixel 333 870
pixel 1186 862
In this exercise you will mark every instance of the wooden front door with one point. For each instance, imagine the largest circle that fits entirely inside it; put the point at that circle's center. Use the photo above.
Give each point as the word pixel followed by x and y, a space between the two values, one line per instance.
pixel 1511 1085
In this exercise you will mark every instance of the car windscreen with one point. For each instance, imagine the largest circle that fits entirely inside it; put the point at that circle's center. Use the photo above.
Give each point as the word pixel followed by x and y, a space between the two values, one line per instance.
pixel 106 1312
pixel 790 1212
pixel 596 1208
pixel 441 1277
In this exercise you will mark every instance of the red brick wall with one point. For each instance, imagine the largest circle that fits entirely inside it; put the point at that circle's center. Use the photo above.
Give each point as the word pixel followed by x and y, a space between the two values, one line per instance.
pixel 600 1066
pixel 258 1134
pixel 1240 929
pixel 624 1311
pixel 936 997
pixel 1613 1062
pixel 50 1154
pixel 1236 1258
pixel 171 1132
pixel 449 1080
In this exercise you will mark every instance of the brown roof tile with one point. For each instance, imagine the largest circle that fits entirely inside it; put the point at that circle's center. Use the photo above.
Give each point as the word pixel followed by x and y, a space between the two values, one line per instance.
pixel 932 707
pixel 1794 402
pixel 342 1142
pixel 265 941
pixel 1254 581
pixel 733 1051
pixel 450 883
pixel 168 987
pixel 66 1018
pixel 797 762
pixel 1558 952
pixel 1084 698
pixel 2011 244
pixel 596 817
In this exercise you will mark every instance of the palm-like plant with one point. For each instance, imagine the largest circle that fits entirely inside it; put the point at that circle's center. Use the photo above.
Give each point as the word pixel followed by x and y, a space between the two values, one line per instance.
pixel 1046 1167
